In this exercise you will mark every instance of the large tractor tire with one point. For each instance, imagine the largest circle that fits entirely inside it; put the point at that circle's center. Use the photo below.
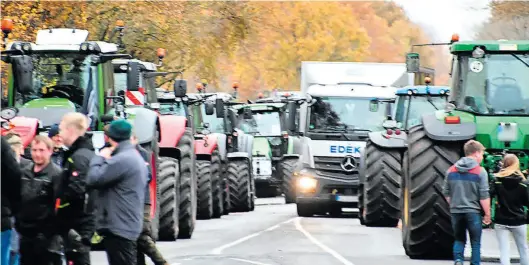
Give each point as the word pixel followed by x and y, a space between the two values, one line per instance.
pixel 154 150
pixel 426 216
pixel 286 168
pixel 216 184
pixel 188 186
pixel 239 178
pixel 168 175
pixel 381 186
pixel 204 193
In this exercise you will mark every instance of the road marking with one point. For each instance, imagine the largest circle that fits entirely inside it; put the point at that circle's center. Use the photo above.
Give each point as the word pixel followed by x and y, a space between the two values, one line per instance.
pixel 219 250
pixel 249 261
pixel 321 245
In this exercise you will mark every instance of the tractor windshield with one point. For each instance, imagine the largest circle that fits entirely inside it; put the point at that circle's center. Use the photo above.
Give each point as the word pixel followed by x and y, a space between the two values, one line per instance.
pixel 266 123
pixel 418 106
pixel 332 113
pixel 176 109
pixel 497 84
pixel 60 75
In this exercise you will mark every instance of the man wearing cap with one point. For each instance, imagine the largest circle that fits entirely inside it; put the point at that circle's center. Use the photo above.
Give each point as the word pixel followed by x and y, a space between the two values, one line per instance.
pixel 120 176
pixel 58 148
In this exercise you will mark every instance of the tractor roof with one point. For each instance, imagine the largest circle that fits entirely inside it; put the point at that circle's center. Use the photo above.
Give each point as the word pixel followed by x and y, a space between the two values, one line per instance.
pixel 259 106
pixel 351 90
pixel 148 65
pixel 63 40
pixel 423 90
pixel 224 96
pixel 491 45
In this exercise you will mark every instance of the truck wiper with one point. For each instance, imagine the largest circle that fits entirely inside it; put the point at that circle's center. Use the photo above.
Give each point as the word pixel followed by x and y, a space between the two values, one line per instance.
pixel 520 59
pixel 342 130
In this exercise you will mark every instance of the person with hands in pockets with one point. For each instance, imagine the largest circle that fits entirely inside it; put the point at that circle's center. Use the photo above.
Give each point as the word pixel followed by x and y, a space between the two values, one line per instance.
pixel 119 175
pixel 76 211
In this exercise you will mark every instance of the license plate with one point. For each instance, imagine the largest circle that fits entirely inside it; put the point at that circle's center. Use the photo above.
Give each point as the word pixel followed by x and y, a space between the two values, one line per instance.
pixel 346 198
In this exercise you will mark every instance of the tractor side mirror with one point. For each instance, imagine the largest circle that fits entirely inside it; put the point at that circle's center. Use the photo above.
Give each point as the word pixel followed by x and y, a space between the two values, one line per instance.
pixel 23 73
pixel 133 76
pixel 209 108
pixel 373 105
pixel 292 110
pixel 412 62
pixel 219 107
pixel 180 88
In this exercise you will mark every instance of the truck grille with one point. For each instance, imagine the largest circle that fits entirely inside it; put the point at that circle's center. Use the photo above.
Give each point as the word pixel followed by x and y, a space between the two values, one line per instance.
pixel 331 166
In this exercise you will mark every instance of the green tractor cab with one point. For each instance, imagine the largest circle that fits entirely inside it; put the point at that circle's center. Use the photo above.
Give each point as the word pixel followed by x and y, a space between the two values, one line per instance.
pixel 489 102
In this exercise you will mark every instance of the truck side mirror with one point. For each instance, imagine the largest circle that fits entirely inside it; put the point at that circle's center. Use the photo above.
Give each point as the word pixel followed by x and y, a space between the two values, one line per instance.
pixel 291 122
pixel 180 88
pixel 412 62
pixel 209 108
pixel 373 105
pixel 133 76
pixel 219 107
pixel 23 73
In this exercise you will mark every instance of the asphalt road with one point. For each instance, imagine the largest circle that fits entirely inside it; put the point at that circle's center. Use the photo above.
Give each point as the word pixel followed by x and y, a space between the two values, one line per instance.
pixel 274 235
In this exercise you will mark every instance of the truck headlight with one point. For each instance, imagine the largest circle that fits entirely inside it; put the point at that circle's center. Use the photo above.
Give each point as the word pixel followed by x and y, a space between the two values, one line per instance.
pixel 307 183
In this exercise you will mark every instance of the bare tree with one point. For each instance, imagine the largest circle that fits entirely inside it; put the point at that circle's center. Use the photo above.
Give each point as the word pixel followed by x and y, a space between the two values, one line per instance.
pixel 510 28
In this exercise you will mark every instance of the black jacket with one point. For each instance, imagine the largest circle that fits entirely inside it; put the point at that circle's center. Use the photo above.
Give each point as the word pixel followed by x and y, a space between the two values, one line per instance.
pixel 77 205
pixel 37 208
pixel 145 155
pixel 11 184
pixel 512 195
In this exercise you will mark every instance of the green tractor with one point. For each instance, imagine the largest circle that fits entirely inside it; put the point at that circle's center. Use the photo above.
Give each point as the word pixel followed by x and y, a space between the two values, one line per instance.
pixel 489 102
pixel 273 155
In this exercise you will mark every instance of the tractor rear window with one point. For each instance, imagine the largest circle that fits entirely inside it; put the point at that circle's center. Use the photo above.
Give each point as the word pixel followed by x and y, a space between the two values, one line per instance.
pixel 261 123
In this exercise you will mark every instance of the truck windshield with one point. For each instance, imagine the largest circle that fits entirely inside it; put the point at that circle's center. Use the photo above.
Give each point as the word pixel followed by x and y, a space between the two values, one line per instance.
pixel 497 84
pixel 330 113
pixel 419 105
pixel 261 124
pixel 61 75
pixel 175 108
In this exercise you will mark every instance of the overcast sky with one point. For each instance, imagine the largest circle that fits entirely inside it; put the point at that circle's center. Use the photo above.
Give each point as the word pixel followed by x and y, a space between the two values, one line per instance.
pixel 441 18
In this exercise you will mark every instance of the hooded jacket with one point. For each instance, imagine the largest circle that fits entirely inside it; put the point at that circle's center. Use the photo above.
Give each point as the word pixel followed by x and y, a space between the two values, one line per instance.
pixel 512 195
pixel 466 183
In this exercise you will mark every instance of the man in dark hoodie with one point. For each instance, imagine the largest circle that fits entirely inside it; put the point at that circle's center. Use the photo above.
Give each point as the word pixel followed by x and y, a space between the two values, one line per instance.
pixel 120 176
pixel 466 189
pixel 58 149
pixel 75 215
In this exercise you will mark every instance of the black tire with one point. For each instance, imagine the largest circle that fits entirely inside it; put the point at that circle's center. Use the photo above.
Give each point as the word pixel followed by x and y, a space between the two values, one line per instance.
pixel 168 174
pixel 426 215
pixel 204 192
pixel 286 168
pixel 188 185
pixel 361 203
pixel 226 193
pixel 304 210
pixel 216 183
pixel 240 186
pixel 381 187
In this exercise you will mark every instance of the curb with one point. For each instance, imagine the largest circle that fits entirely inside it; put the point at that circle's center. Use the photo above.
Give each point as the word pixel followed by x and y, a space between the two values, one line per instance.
pixel 494 259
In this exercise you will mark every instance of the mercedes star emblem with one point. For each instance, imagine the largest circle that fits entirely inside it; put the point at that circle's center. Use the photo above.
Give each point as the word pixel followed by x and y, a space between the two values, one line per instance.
pixel 348 164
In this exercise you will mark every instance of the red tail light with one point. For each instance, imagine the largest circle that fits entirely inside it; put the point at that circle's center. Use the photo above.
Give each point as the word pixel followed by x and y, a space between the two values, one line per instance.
pixel 397 131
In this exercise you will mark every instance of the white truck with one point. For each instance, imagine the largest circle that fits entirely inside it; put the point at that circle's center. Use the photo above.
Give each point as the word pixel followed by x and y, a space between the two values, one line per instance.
pixel 348 100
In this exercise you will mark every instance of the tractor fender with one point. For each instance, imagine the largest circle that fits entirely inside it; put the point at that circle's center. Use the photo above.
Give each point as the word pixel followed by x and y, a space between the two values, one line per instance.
pixel 206 145
pixel 238 155
pixel 244 142
pixel 221 144
pixel 437 130
pixel 172 152
pixel 383 140
pixel 172 128
pixel 25 127
pixel 144 124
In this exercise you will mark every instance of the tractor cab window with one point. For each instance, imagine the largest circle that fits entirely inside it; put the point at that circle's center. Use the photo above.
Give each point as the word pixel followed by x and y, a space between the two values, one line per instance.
pixel 497 84
pixel 263 123
pixel 216 125
pixel 174 108
pixel 419 105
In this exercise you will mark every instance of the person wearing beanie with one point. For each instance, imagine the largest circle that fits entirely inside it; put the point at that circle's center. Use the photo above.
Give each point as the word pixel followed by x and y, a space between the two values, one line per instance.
pixel 119 175
pixel 58 147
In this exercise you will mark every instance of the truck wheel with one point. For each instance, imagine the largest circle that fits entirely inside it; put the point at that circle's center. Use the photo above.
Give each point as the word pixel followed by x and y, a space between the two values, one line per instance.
pixel 216 183
pixel 286 168
pixel 426 214
pixel 240 186
pixel 381 187
pixel 188 185
pixel 168 199
pixel 304 210
pixel 204 193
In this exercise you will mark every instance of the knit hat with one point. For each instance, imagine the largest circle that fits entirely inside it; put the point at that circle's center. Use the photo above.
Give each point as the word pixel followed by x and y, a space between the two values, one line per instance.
pixel 54 130
pixel 119 130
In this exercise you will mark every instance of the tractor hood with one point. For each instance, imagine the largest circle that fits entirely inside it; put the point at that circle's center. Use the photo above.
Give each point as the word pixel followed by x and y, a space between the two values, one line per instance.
pixel 47 110
pixel 261 147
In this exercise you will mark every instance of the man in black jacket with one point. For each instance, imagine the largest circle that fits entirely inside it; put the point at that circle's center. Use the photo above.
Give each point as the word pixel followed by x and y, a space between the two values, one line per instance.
pixel 36 221
pixel 76 211
pixel 11 186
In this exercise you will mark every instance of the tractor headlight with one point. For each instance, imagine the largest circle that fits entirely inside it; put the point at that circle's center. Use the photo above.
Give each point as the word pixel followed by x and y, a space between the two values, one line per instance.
pixel 306 183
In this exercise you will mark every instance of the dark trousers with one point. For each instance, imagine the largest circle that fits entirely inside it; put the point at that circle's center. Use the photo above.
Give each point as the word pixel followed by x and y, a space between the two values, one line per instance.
pixel 34 251
pixel 146 245
pixel 77 250
pixel 461 223
pixel 120 251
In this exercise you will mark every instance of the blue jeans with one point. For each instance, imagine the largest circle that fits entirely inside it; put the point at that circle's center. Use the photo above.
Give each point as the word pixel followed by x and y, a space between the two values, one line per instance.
pixel 461 223
pixel 5 246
